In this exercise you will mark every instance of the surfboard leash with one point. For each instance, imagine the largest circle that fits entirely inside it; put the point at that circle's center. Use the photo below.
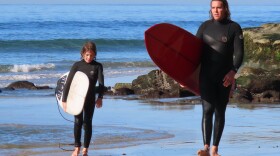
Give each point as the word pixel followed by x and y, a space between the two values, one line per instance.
pixel 61 113
pixel 58 90
pixel 61 144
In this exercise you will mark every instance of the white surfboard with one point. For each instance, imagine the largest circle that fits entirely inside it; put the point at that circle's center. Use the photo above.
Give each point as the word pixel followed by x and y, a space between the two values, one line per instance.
pixel 77 92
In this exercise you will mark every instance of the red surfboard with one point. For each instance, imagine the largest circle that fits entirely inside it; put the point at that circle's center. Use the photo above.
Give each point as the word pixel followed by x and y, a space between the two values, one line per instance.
pixel 177 52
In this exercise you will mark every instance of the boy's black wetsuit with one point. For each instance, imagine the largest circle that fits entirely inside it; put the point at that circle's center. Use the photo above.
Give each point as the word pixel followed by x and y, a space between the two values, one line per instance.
pixel 223 51
pixel 94 71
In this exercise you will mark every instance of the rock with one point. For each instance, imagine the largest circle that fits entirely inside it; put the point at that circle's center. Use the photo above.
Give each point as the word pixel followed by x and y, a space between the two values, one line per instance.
pixel 25 85
pixel 43 87
pixel 259 80
pixel 123 85
pixel 269 96
pixel 242 96
pixel 22 85
pixel 123 91
pixel 156 84
pixel 258 86
pixel 262 46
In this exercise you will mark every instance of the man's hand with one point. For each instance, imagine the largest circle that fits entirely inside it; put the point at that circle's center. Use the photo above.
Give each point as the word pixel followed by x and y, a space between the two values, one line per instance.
pixel 229 78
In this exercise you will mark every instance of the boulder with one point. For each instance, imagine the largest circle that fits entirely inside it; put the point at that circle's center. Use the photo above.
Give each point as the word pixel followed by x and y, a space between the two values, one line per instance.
pixel 242 96
pixel 123 91
pixel 157 84
pixel 258 80
pixel 258 86
pixel 123 85
pixel 262 46
pixel 25 85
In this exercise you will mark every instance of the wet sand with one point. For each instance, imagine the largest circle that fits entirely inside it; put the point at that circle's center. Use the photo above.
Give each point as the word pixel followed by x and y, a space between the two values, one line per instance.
pixel 131 127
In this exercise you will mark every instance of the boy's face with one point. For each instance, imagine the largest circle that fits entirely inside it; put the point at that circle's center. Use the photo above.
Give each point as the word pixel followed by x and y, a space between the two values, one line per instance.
pixel 88 56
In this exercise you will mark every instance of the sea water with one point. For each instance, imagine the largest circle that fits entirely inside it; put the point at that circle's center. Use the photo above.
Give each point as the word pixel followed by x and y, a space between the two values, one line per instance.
pixel 38 43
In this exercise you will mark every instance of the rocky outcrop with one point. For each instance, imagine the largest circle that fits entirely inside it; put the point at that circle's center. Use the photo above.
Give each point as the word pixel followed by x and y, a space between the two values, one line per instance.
pixel 25 85
pixel 258 85
pixel 157 84
pixel 123 89
pixel 262 46
pixel 259 78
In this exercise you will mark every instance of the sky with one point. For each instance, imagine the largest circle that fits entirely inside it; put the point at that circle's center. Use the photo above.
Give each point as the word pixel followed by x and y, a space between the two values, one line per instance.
pixel 195 2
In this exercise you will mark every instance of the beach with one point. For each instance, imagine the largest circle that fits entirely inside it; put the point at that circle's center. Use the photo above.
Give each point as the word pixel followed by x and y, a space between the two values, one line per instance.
pixel 132 127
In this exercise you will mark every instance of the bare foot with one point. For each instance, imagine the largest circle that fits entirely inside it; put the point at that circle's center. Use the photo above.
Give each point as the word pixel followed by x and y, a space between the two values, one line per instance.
pixel 214 151
pixel 85 152
pixel 76 151
pixel 215 154
pixel 204 152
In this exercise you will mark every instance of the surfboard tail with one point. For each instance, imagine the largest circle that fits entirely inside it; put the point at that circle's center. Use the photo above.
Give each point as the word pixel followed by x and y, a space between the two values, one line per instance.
pixel 175 51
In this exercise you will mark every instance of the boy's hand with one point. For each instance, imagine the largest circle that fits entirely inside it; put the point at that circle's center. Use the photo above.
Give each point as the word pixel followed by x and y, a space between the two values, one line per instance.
pixel 64 104
pixel 99 103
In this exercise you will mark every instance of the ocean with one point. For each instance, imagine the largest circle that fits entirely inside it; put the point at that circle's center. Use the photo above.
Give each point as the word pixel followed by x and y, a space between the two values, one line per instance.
pixel 38 43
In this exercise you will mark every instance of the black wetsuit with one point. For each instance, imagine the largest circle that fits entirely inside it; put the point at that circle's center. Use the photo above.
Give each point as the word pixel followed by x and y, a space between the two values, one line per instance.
pixel 94 71
pixel 223 51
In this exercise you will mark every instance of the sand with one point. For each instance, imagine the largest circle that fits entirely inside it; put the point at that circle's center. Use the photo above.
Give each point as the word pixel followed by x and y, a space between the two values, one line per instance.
pixel 140 128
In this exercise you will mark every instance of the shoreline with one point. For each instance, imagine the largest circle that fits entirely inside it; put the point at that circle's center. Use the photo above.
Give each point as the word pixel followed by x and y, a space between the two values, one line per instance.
pixel 252 131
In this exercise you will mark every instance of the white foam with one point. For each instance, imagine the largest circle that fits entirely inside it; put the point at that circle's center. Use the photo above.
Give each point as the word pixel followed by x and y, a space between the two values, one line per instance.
pixel 19 77
pixel 126 72
pixel 38 79
pixel 31 67
pixel 50 78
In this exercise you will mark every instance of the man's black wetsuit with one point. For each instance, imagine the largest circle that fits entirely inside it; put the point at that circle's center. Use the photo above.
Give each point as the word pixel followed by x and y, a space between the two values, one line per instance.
pixel 94 71
pixel 223 51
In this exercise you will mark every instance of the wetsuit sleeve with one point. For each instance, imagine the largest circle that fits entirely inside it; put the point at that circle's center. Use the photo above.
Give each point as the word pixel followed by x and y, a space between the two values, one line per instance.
pixel 238 53
pixel 100 82
pixel 68 82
